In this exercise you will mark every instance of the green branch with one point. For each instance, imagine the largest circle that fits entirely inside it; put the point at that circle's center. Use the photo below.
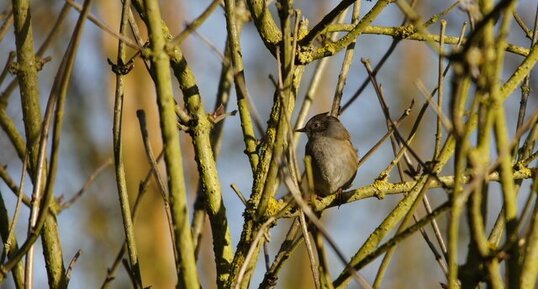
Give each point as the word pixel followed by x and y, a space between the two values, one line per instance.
pixel 264 22
pixel 200 130
pixel 241 91
pixel 26 69
pixel 186 266
pixel 325 22
pixel 408 32
pixel 307 56
pixel 529 266
pixel 119 164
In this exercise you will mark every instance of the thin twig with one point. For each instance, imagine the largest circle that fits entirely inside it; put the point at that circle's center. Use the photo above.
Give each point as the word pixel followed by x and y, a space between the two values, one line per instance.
pixel 437 233
pixel 346 64
pixel 441 117
pixel 522 25
pixel 414 18
pixel 291 241
pixel 397 123
pixel 266 255
pixel 389 121
pixel 140 114
pixel 129 272
pixel 211 46
pixel 401 236
pixel 310 250
pixel 4 97
pixel 132 44
pixel 5 70
pixel 312 217
pixel 251 251
pixel 71 266
pixel 389 52
pixel 233 25
pixel 439 258
pixel 12 185
pixel 531 158
pixel 191 27
pixel 438 132
pixel 87 184
pixel 328 19
pixel 11 232
pixel 315 81
pixel 8 22
pixel 119 165
pixel 141 193
pixel 237 191
pixel 525 86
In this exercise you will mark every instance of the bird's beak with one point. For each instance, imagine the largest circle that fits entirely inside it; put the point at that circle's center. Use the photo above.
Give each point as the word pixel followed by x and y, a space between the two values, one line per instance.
pixel 301 129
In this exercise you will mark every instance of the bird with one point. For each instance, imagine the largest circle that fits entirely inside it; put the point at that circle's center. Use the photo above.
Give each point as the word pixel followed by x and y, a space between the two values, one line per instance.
pixel 334 159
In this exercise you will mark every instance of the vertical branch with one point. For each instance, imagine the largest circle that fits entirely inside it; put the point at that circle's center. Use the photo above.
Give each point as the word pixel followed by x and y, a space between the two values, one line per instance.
pixel 247 128
pixel 204 141
pixel 288 245
pixel 313 85
pixel 286 98
pixel 51 240
pixel 29 91
pixel 10 128
pixel 141 115
pixel 438 132
pixel 4 96
pixel 460 90
pixel 45 222
pixel 52 249
pixel 529 266
pixel 118 158
pixel 200 129
pixel 271 151
pixel 506 89
pixel 308 244
pixel 27 78
pixel 232 26
pixel 525 91
pixel 9 238
pixel 348 59
pixel 8 20
pixel 222 100
pixel 186 268
pixel 479 160
pixel 504 151
pixel 142 189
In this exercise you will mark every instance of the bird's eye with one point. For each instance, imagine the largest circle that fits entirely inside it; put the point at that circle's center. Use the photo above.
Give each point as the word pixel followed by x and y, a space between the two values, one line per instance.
pixel 316 125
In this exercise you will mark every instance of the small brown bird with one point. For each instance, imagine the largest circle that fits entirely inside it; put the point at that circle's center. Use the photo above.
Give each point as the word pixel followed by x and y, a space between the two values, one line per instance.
pixel 334 159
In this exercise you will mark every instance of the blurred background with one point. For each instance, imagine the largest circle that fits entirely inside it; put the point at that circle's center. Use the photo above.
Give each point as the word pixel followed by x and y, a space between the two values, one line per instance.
pixel 94 225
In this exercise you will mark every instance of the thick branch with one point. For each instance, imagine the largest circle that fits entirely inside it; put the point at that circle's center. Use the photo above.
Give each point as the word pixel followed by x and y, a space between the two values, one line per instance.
pixel 186 267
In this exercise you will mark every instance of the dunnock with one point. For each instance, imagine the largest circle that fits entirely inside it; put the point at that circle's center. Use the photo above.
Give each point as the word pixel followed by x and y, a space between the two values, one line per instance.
pixel 334 159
